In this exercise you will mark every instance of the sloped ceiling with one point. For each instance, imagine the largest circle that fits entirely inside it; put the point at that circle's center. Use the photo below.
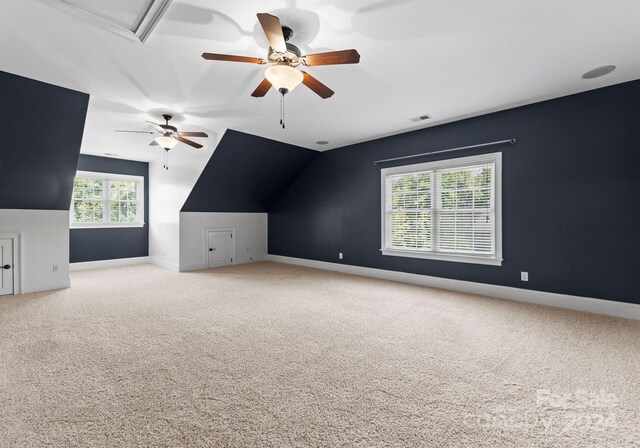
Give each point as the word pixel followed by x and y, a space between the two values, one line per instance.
pixel 446 58
pixel 247 174
pixel 40 145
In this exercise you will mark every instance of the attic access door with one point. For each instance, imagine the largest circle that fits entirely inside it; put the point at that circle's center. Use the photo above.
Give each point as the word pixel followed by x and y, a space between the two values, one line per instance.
pixel 220 247
pixel 6 266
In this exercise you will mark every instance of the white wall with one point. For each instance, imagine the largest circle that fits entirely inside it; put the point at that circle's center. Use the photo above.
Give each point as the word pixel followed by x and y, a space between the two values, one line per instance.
pixel 168 190
pixel 44 242
pixel 250 235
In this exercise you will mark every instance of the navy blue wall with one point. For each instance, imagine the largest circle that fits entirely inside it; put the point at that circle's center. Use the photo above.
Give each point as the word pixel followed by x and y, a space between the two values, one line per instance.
pixel 109 244
pixel 571 215
pixel 246 174
pixel 43 126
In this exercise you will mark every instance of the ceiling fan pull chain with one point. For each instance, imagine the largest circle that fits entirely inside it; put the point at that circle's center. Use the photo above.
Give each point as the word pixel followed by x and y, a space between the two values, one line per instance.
pixel 282 110
pixel 166 160
pixel 281 99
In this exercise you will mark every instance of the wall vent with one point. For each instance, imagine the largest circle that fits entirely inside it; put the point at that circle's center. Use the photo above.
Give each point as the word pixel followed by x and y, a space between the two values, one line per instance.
pixel 420 118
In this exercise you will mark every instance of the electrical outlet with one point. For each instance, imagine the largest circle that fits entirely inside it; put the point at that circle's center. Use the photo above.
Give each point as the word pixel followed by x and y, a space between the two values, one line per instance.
pixel 56 268
pixel 340 255
pixel 524 276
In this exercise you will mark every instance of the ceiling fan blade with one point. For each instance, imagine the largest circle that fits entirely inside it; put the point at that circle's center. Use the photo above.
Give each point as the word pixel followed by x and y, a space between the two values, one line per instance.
pixel 262 89
pixel 332 58
pixel 135 132
pixel 192 134
pixel 273 30
pixel 315 85
pixel 232 58
pixel 157 126
pixel 188 142
pixel 153 143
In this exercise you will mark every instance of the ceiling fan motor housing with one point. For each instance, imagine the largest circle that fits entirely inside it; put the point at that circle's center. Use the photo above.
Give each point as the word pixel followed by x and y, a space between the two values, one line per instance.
pixel 169 128
pixel 291 57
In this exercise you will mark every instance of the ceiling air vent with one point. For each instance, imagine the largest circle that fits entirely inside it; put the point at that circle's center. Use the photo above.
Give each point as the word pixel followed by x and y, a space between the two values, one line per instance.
pixel 420 118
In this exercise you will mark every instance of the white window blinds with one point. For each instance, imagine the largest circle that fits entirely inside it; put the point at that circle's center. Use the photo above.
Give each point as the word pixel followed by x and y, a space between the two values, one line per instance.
pixel 465 210
pixel 410 211
pixel 441 208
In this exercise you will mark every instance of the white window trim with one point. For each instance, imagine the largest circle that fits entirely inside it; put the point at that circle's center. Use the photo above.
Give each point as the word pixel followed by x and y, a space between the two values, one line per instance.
pixel 111 225
pixel 461 162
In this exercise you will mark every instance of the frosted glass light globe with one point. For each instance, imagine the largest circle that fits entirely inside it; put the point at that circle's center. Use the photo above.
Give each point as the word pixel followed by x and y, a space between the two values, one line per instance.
pixel 166 142
pixel 283 77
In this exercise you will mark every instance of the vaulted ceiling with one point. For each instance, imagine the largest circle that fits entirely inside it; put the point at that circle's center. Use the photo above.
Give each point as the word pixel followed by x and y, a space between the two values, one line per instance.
pixel 445 58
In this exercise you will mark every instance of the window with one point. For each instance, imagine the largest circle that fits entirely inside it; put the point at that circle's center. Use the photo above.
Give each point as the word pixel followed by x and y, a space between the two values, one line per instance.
pixel 446 210
pixel 107 200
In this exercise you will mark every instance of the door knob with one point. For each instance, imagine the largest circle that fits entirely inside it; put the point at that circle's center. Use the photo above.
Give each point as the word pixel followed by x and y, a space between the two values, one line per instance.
pixel 6 266
pixel 211 249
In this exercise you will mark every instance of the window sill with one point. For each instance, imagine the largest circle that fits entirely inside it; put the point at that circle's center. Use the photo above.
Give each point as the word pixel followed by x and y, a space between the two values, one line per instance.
pixel 473 259
pixel 106 226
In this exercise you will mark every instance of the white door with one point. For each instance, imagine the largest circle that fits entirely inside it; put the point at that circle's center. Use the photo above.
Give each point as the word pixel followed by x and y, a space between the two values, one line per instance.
pixel 6 266
pixel 220 248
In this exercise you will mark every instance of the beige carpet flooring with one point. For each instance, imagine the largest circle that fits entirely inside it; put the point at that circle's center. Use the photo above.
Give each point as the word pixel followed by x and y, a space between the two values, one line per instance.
pixel 270 355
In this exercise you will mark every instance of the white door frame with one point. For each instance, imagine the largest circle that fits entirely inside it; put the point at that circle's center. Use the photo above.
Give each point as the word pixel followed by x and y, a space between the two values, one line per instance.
pixel 206 242
pixel 15 237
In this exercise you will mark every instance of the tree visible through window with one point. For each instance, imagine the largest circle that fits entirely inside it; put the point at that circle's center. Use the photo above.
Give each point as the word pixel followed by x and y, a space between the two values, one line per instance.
pixel 88 201
pixel 443 209
pixel 123 202
pixel 103 200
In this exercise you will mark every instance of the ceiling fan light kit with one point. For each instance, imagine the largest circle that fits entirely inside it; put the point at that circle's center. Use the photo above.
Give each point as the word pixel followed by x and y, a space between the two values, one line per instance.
pixel 166 142
pixel 283 77
pixel 284 57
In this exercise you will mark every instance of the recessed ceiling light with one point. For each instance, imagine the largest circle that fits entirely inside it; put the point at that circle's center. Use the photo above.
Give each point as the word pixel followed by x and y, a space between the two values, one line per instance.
pixel 322 142
pixel 598 72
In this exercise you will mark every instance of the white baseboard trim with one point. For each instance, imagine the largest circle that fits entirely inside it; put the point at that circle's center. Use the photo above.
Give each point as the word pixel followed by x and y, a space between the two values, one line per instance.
pixel 164 264
pixel 192 267
pixel 101 264
pixel 202 266
pixel 65 283
pixel 587 304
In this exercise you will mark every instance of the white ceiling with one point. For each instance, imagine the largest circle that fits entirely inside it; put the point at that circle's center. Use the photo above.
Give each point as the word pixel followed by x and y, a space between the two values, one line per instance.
pixel 445 58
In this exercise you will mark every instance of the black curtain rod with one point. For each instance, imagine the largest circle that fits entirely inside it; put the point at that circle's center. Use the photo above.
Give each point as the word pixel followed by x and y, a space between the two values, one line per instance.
pixel 481 145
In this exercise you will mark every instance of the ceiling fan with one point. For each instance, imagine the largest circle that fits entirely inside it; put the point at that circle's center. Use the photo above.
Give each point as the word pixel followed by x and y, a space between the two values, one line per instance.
pixel 283 74
pixel 169 137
